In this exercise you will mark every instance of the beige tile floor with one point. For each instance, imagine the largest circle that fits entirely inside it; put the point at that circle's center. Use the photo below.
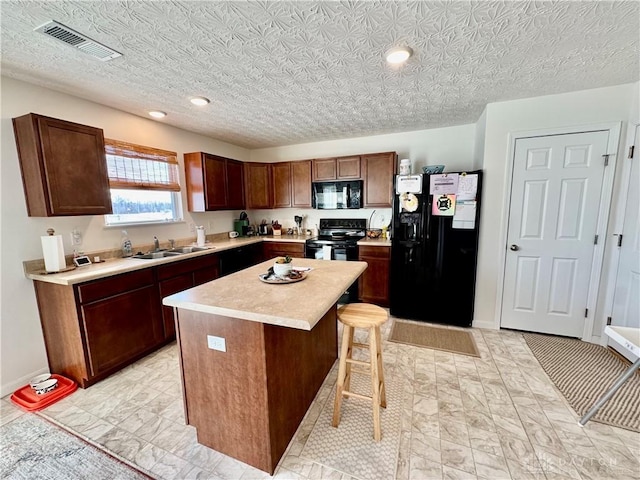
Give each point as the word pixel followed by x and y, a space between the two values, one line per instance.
pixel 494 417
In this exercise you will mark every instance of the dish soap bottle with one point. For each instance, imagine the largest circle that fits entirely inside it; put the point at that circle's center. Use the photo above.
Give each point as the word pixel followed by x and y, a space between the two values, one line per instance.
pixel 127 251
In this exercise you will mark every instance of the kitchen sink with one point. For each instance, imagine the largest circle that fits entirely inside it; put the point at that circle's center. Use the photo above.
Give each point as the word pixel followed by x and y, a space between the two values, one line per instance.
pixel 190 249
pixel 161 254
pixel 170 253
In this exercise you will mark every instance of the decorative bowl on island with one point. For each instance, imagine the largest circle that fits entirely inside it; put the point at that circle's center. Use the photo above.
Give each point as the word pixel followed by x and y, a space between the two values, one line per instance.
pixel 282 266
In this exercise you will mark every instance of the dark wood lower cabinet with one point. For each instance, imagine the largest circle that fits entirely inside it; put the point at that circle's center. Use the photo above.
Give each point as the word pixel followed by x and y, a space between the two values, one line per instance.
pixel 282 249
pixel 95 328
pixel 373 286
pixel 179 276
pixel 119 328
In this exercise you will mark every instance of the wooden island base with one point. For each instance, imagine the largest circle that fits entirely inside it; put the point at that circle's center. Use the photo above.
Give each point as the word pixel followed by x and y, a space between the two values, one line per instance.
pixel 247 402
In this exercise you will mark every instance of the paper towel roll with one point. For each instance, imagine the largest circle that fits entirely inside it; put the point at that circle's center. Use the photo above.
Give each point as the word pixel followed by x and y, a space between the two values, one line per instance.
pixel 200 236
pixel 53 253
pixel 326 252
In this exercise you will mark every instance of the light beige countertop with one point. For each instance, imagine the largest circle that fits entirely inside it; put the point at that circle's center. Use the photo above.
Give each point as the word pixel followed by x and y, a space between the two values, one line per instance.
pixel 297 305
pixel 116 266
pixel 375 242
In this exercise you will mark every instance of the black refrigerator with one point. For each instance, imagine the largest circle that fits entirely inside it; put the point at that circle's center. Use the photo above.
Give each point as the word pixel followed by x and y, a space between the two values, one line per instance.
pixel 435 247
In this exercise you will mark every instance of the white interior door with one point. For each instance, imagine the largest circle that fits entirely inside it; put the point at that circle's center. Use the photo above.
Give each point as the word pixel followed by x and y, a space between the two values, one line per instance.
pixel 555 196
pixel 626 299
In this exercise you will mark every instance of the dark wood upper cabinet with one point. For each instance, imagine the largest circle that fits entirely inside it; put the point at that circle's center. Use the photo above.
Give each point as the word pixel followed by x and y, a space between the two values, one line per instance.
pixel 281 182
pixel 63 165
pixel 377 173
pixel 341 168
pixel 235 184
pixel 347 168
pixel 301 184
pixel 258 184
pixel 324 169
pixel 213 182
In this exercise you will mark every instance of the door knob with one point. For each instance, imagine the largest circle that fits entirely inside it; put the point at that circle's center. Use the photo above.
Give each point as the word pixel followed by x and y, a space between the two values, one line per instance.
pixel 514 248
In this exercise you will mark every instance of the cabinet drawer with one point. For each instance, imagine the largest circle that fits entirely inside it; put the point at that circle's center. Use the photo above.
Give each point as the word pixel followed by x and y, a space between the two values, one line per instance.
pixel 273 249
pixel 103 288
pixel 380 252
pixel 186 266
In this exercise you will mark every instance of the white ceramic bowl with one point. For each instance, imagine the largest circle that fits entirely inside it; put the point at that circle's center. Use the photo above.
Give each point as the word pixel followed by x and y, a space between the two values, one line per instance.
pixel 39 379
pixel 46 386
pixel 282 269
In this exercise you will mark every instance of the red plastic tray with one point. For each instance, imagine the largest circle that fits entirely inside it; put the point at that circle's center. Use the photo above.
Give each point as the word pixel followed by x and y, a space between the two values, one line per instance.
pixel 27 399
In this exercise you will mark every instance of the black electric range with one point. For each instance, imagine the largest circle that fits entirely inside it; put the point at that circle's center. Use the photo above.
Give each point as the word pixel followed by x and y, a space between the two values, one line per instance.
pixel 342 235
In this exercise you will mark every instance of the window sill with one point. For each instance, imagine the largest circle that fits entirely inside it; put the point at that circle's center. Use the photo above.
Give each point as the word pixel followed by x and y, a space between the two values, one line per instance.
pixel 143 224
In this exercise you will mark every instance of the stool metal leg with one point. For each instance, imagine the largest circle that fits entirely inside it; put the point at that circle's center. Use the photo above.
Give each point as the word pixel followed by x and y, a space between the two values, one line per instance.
pixel 614 388
pixel 347 332
pixel 375 383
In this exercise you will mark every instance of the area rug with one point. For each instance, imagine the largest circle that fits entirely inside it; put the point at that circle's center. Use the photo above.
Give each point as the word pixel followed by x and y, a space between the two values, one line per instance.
pixel 350 448
pixel 584 371
pixel 34 448
pixel 438 338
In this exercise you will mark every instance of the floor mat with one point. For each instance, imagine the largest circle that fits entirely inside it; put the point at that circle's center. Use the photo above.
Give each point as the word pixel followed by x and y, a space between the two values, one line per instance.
pixel 34 448
pixel 584 371
pixel 438 338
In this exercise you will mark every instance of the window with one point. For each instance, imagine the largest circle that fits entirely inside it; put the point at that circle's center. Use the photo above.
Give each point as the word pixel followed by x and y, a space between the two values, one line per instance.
pixel 144 184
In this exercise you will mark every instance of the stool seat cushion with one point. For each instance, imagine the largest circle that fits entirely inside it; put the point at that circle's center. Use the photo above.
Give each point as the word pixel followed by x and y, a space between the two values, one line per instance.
pixel 362 315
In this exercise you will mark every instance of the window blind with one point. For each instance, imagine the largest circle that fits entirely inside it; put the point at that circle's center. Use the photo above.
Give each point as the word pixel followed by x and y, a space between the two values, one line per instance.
pixel 135 167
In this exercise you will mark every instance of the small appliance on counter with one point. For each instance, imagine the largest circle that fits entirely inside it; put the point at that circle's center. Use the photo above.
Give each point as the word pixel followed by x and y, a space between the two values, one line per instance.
pixel 242 224
pixel 263 228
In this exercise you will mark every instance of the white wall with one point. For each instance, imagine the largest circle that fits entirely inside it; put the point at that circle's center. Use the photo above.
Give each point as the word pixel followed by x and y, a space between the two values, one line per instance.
pixel 478 148
pixel 451 146
pixel 503 119
pixel 22 352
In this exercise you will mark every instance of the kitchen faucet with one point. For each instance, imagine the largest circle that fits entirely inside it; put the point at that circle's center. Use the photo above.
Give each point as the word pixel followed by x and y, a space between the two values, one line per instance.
pixel 156 244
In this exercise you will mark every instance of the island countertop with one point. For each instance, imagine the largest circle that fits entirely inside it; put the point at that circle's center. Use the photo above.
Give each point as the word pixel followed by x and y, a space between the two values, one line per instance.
pixel 297 305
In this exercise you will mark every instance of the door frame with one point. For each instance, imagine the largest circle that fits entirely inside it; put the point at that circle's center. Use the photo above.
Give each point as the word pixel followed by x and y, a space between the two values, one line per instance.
pixel 617 228
pixel 604 212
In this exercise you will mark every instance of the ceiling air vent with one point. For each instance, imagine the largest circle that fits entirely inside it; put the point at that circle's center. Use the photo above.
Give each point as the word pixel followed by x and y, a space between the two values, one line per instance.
pixel 77 40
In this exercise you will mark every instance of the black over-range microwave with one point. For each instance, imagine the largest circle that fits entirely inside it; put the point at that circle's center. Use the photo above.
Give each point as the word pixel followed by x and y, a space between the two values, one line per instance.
pixel 337 195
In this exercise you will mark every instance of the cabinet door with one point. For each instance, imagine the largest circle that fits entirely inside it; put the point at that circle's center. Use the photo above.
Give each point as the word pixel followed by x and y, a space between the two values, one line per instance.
pixel 169 287
pixel 282 249
pixel 122 327
pixel 377 173
pixel 215 184
pixel 374 282
pixel 301 184
pixel 205 275
pixel 258 185
pixel 324 169
pixel 235 185
pixel 347 168
pixel 64 167
pixel 281 175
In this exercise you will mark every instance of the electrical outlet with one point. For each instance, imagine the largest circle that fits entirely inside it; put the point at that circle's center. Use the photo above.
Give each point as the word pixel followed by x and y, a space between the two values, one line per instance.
pixel 210 225
pixel 76 237
pixel 216 343
pixel 192 227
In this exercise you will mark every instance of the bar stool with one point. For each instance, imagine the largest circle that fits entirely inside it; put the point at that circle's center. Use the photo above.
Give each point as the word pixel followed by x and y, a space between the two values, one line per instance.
pixel 370 317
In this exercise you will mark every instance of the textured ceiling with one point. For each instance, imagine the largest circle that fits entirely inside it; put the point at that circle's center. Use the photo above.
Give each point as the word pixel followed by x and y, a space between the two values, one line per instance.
pixel 282 73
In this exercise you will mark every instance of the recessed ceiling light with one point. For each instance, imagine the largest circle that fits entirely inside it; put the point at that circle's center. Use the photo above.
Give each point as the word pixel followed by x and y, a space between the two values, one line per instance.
pixel 200 101
pixel 398 54
pixel 157 114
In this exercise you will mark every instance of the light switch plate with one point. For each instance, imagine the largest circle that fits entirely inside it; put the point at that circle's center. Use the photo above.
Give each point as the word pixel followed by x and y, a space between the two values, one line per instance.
pixel 216 343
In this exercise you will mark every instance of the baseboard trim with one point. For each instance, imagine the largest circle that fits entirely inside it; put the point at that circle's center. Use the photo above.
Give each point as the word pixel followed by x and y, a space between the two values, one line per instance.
pixel 9 388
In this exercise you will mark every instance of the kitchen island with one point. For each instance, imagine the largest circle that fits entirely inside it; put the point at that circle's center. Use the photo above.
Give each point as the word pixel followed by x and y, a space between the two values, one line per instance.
pixel 253 355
